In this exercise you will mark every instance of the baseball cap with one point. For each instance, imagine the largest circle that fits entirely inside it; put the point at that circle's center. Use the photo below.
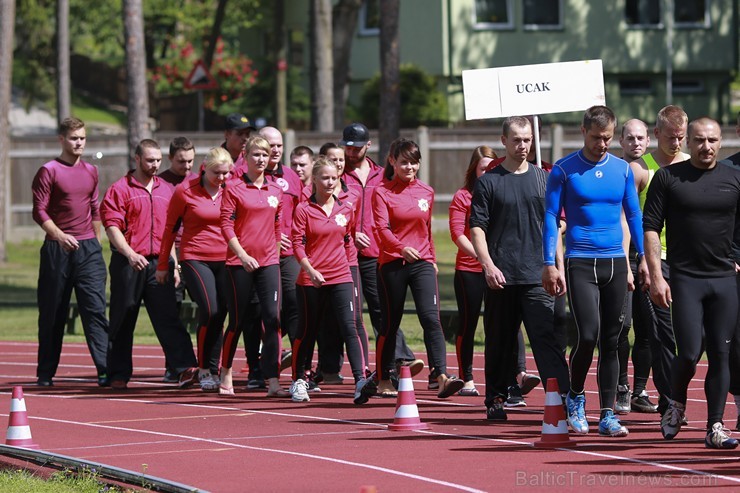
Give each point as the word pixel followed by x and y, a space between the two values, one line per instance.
pixel 237 121
pixel 355 135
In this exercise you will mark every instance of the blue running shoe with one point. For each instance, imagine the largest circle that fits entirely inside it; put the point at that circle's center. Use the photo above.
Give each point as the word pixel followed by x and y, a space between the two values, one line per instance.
pixel 577 413
pixel 611 427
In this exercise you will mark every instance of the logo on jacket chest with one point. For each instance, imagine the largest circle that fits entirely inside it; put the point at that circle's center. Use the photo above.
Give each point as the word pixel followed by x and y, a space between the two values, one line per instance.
pixel 423 205
pixel 341 220
pixel 282 183
pixel 273 201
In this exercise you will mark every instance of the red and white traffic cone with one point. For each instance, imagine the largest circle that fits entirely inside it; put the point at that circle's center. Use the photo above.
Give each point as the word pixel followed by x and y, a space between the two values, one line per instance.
pixel 407 414
pixel 19 432
pixel 554 427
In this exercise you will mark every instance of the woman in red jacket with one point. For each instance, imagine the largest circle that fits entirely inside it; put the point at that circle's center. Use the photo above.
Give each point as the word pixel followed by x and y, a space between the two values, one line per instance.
pixel 250 223
pixel 196 204
pixel 402 208
pixel 470 283
pixel 322 241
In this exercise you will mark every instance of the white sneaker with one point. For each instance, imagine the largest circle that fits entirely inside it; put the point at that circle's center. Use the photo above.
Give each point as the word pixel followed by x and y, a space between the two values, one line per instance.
pixel 208 383
pixel 299 391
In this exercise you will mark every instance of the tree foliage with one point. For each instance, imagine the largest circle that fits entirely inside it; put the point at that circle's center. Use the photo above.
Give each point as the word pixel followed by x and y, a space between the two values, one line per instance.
pixel 422 103
pixel 97 32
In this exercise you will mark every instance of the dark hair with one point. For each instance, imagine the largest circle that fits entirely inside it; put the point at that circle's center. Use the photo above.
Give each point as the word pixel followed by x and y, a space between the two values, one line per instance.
pixel 70 124
pixel 146 144
pixel 599 116
pixel 300 151
pixel 515 121
pixel 479 153
pixel 401 148
pixel 180 144
pixel 327 147
pixel 704 120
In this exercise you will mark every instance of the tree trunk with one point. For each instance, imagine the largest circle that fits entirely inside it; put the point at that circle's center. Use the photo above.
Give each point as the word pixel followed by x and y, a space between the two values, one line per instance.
pixel 7 25
pixel 215 33
pixel 136 83
pixel 390 94
pixel 64 97
pixel 322 113
pixel 344 23
pixel 281 67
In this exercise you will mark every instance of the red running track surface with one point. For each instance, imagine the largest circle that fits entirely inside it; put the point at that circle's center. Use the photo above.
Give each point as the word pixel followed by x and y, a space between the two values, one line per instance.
pixel 252 443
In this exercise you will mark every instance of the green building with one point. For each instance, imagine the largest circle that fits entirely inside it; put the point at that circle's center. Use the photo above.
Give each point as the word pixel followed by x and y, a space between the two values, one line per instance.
pixel 639 41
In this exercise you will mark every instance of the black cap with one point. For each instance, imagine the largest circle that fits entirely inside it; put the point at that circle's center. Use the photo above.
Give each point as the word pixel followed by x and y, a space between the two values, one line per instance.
pixel 237 121
pixel 355 135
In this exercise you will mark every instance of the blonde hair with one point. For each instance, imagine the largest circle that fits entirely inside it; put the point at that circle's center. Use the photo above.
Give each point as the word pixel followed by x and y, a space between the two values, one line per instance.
pixel 319 163
pixel 216 156
pixel 259 142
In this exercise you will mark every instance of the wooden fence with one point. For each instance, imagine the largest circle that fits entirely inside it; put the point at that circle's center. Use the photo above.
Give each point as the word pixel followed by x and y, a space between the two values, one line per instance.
pixel 445 155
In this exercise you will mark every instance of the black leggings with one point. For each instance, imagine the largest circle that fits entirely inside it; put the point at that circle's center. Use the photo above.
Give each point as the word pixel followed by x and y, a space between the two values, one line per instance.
pixel 711 303
pixel 330 338
pixel 312 303
pixel 394 279
pixel 369 275
pixel 266 281
pixel 637 313
pixel 735 355
pixel 469 289
pixel 207 286
pixel 597 288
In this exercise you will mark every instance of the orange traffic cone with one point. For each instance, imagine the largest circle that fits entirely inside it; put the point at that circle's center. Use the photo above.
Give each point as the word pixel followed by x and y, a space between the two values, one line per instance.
pixel 554 427
pixel 407 414
pixel 19 432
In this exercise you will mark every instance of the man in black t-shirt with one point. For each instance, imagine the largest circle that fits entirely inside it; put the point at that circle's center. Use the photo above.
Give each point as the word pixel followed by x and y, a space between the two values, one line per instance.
pixel 734 160
pixel 506 217
pixel 700 230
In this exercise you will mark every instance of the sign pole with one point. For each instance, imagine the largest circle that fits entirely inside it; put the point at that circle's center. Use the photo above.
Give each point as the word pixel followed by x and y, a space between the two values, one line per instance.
pixel 201 113
pixel 537 140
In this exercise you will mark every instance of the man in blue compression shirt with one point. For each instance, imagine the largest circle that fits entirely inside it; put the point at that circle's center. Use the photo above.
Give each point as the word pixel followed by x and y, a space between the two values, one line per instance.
pixel 593 187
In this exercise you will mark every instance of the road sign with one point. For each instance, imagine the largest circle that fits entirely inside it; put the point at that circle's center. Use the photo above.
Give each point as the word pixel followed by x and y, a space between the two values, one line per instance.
pixel 533 89
pixel 200 78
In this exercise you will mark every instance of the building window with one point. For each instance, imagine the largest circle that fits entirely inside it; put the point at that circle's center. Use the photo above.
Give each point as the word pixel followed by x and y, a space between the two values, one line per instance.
pixel 493 14
pixel 648 13
pixel 631 87
pixel 642 12
pixel 543 14
pixel 691 13
pixel 370 18
pixel 688 86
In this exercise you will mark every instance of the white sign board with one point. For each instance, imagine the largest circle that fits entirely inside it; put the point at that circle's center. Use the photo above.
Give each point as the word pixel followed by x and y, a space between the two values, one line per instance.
pixel 533 89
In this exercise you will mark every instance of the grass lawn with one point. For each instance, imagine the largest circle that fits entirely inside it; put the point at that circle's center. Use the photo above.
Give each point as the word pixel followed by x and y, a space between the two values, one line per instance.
pixel 18 312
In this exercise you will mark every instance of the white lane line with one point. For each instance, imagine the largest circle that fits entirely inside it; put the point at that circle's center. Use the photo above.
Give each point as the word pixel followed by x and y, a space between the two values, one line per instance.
pixel 277 451
pixel 656 464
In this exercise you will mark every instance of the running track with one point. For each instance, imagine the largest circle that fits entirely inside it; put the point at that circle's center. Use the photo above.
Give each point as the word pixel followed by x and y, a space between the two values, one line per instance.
pixel 251 443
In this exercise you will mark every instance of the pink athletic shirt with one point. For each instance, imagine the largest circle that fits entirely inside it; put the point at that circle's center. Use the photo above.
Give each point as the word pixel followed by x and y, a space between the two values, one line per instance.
pixel 200 216
pixel 351 197
pixel 252 215
pixel 460 226
pixel 365 220
pixel 403 217
pixel 325 240
pixel 139 215
pixel 68 195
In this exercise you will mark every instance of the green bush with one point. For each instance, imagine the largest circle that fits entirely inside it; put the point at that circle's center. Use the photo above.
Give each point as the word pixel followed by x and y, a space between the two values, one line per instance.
pixel 422 103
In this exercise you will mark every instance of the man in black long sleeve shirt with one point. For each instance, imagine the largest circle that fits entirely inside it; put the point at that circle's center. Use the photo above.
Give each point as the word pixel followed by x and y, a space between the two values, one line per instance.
pixel 698 200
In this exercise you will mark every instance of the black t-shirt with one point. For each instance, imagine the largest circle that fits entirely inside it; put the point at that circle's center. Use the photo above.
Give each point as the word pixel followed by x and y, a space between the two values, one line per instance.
pixel 510 208
pixel 700 210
